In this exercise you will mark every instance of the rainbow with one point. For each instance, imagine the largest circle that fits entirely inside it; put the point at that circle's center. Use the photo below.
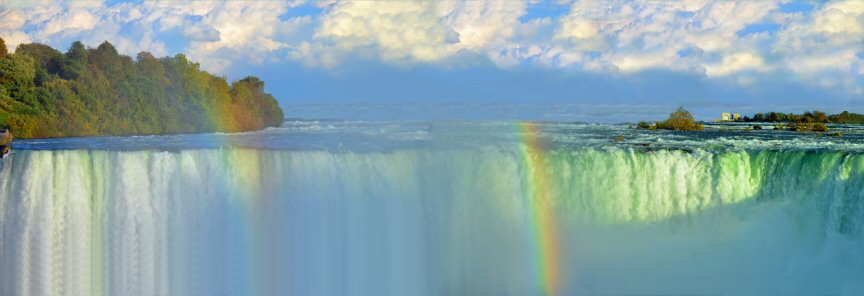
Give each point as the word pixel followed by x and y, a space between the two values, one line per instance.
pixel 539 192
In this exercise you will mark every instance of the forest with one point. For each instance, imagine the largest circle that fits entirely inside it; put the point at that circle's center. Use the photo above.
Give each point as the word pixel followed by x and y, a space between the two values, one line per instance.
pixel 97 91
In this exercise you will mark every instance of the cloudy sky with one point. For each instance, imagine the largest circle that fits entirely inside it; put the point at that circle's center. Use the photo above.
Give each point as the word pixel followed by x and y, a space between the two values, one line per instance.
pixel 562 60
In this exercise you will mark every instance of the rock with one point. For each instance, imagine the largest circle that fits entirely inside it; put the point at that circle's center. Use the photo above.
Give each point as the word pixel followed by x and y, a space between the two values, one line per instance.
pixel 5 137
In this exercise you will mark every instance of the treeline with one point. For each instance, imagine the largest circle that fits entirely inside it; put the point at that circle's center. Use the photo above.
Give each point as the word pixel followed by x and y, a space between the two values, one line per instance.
pixel 806 117
pixel 96 91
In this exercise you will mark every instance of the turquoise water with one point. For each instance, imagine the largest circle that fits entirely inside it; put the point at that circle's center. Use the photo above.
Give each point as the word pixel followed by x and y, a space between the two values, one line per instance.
pixel 363 136
pixel 433 208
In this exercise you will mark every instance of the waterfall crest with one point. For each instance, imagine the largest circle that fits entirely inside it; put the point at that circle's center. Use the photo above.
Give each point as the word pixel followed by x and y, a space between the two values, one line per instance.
pixel 416 222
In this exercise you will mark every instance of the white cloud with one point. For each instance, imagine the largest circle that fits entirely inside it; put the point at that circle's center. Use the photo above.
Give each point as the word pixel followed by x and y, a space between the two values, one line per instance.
pixel 240 31
pixel 840 17
pixel 736 62
pixel 640 35
pixel 68 23
pixel 482 24
pixel 11 20
pixel 393 30
pixel 413 31
pixel 14 38
pixel 827 40
pixel 201 32
pixel 619 37
pixel 10 28
pixel 583 22
pixel 824 47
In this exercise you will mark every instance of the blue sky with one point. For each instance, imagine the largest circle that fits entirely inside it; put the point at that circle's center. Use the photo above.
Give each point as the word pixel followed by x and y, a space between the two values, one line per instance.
pixel 606 61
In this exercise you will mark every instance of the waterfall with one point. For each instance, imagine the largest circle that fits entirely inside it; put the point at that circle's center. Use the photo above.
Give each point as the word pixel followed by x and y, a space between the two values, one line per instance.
pixel 428 222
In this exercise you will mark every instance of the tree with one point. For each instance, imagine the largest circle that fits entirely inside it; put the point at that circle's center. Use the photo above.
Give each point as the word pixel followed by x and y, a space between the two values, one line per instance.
pixel 103 56
pixel 77 51
pixel 3 51
pixel 807 117
pixel 41 53
pixel 47 60
pixel 643 124
pixel 759 117
pixel 97 91
pixel 820 116
pixel 17 73
pixel 680 120
pixel 75 62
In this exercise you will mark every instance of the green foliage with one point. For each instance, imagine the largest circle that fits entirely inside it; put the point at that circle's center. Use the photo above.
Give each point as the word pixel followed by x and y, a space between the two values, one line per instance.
pixel 846 117
pixel 808 117
pixel 74 63
pixel 819 127
pixel 807 127
pixel 97 91
pixel 680 120
pixel 43 54
pixel 3 51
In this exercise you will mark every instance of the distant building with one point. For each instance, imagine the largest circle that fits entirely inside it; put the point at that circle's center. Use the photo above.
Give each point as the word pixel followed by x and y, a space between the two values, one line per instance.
pixel 730 116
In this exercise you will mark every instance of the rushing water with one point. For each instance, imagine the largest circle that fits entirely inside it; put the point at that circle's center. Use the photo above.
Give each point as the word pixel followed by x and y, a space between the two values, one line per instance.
pixel 436 208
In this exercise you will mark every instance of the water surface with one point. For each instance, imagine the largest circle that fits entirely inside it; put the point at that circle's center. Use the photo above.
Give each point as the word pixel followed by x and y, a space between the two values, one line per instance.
pixel 436 208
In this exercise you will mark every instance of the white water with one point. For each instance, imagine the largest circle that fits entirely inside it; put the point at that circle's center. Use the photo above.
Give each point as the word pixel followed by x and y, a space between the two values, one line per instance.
pixel 428 222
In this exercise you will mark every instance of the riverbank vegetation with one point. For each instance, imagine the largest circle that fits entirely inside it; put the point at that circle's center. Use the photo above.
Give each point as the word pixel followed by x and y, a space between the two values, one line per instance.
pixel 682 120
pixel 96 91
pixel 806 127
pixel 810 121
pixel 806 117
